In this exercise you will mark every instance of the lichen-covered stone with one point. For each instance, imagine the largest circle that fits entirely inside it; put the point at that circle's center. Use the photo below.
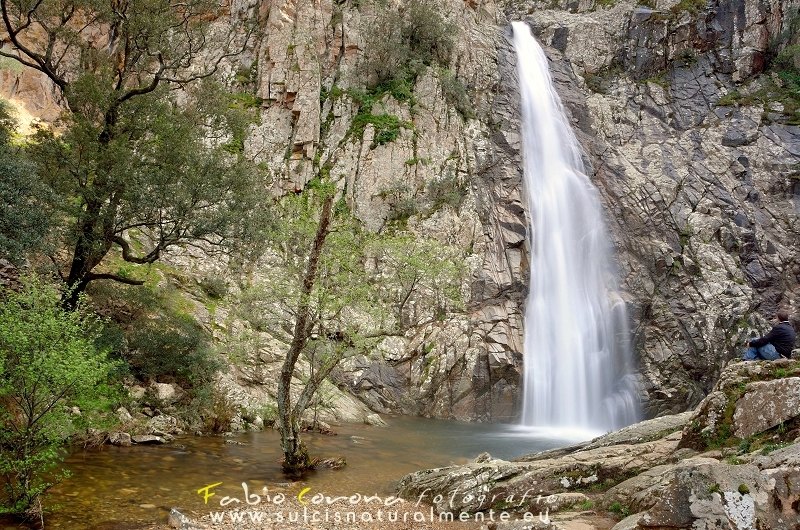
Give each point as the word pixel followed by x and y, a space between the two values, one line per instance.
pixel 766 404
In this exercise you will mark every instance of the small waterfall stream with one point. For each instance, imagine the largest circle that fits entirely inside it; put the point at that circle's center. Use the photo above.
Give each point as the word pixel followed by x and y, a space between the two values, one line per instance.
pixel 578 362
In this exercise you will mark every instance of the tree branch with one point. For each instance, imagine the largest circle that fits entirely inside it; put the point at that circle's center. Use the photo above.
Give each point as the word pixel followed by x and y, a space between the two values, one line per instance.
pixel 130 258
pixel 38 62
pixel 108 276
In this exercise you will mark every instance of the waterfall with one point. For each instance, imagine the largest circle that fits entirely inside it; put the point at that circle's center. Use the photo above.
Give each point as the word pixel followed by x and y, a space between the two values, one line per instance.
pixel 578 363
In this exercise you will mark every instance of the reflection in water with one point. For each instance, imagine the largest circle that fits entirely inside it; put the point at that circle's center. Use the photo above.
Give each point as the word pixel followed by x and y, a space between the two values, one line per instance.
pixel 140 484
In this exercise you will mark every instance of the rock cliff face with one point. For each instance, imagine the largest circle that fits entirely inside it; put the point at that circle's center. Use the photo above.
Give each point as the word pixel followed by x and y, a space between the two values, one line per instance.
pixel 701 189
pixel 699 179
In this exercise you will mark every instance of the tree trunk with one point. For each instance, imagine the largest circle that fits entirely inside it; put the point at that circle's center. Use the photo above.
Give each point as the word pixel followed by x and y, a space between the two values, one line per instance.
pixel 84 257
pixel 296 459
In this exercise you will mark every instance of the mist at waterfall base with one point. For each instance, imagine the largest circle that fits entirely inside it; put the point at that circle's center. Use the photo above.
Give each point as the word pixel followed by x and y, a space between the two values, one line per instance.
pixel 578 365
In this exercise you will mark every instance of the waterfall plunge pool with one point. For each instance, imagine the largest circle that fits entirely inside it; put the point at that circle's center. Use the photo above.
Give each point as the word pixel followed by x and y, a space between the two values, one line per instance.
pixel 125 488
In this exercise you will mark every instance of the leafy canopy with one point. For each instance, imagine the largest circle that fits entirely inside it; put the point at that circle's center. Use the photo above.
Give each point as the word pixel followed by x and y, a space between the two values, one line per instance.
pixel 23 220
pixel 147 154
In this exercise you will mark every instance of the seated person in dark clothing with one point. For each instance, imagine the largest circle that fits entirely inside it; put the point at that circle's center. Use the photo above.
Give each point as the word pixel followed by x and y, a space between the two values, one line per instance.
pixel 775 344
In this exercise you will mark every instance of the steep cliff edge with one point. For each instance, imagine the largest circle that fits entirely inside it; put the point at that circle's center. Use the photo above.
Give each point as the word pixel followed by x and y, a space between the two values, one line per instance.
pixel 699 178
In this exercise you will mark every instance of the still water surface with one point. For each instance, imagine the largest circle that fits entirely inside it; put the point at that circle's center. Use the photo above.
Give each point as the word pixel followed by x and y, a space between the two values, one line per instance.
pixel 115 487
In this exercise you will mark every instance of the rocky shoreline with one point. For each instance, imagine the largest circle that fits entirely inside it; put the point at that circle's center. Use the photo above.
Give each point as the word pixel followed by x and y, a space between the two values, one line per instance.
pixel 732 463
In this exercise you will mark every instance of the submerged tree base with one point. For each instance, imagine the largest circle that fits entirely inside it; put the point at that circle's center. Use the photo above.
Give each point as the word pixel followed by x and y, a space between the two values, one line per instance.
pixel 296 463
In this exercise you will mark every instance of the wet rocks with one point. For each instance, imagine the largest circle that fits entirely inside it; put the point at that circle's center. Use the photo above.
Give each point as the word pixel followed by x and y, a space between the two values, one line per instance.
pixel 148 439
pixel 661 470
pixel 121 439
pixel 375 420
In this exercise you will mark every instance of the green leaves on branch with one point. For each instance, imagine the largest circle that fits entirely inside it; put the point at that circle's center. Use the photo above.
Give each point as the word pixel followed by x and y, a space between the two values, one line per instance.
pixel 368 286
pixel 404 41
pixel 24 218
pixel 48 364
pixel 148 154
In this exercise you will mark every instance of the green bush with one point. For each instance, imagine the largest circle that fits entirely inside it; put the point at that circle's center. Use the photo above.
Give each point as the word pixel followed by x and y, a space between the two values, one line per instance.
pixel 214 286
pixel 173 347
pixel 455 93
pixel 387 126
pixel 49 363
pixel 447 191
pixel 404 41
pixel 23 220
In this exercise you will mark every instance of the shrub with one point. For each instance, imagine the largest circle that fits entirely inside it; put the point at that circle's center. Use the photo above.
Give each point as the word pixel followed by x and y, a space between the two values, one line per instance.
pixel 447 191
pixel 455 93
pixel 404 41
pixel 214 286
pixel 173 347
pixel 387 126
pixel 23 220
pixel 49 363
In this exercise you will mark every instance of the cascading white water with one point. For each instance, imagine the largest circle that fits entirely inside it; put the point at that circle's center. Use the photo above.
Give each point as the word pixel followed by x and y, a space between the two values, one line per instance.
pixel 578 364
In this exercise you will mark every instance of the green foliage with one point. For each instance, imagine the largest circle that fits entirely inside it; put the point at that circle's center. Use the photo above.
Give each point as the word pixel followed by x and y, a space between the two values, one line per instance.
pixel 769 448
pixel 585 505
pixel 23 216
pixel 420 277
pixel 619 509
pixel 214 286
pixel 743 489
pixel 404 41
pixel 686 57
pixel 744 446
pixel 387 126
pixel 50 363
pixel 606 3
pixel 449 190
pixel 455 93
pixel 402 204
pixel 147 142
pixel 730 99
pixel 245 100
pixel 216 410
pixel 172 347
pixel 600 81
pixel 714 488
pixel 782 86
pixel 369 285
pixel 693 7
pixel 659 79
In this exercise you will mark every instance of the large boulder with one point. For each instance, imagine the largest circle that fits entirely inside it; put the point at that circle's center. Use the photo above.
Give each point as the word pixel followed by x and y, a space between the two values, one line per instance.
pixel 708 494
pixel 520 485
pixel 166 393
pixel 750 397
pixel 766 404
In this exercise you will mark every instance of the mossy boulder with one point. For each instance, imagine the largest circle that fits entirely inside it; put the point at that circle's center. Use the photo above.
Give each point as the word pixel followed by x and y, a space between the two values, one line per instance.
pixel 749 398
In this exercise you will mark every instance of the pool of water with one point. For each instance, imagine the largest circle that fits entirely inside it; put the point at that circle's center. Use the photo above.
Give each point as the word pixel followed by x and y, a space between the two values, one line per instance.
pixel 115 487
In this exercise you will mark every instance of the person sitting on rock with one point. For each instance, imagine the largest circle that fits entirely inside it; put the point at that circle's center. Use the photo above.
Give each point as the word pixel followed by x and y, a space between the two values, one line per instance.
pixel 775 344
